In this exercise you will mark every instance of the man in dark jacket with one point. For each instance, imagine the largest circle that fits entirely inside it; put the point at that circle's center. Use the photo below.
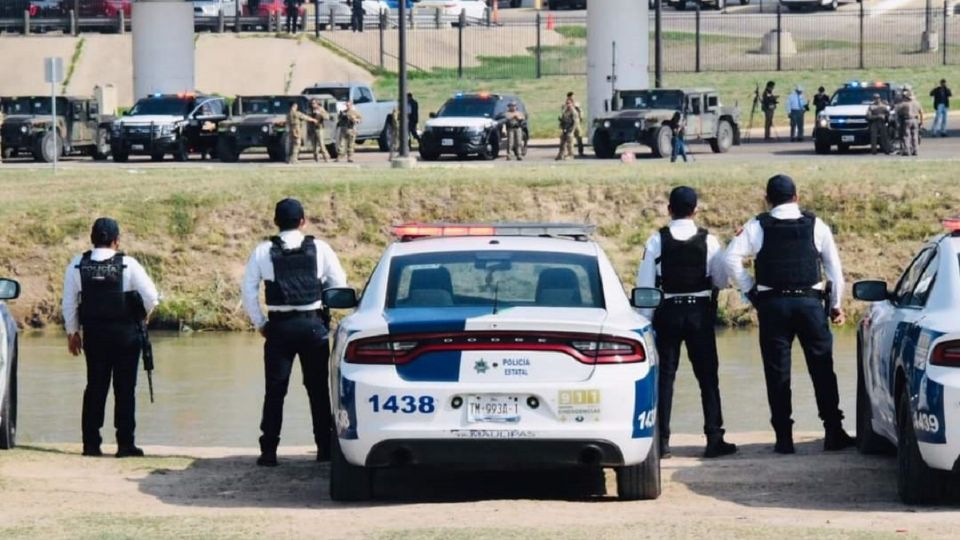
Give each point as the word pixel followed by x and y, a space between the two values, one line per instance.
pixel 413 116
pixel 356 15
pixel 292 8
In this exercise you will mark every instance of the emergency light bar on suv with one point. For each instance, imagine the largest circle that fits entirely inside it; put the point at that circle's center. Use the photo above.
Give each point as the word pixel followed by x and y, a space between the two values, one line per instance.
pixel 413 231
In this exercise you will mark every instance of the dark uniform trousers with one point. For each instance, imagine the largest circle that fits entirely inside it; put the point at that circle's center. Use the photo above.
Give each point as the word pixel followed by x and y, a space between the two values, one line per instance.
pixel 692 324
pixel 781 320
pixel 111 351
pixel 306 337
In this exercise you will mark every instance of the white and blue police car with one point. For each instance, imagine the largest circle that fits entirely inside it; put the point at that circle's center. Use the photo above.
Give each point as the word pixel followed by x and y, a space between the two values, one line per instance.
pixel 908 369
pixel 9 290
pixel 505 346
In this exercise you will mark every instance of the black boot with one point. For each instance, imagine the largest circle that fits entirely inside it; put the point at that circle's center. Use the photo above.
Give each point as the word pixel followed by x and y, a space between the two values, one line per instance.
pixel 784 444
pixel 717 447
pixel 91 450
pixel 665 449
pixel 323 451
pixel 836 438
pixel 268 453
pixel 128 450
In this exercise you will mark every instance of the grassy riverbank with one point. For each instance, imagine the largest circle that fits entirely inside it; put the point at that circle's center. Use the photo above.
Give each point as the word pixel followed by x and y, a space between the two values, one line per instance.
pixel 193 228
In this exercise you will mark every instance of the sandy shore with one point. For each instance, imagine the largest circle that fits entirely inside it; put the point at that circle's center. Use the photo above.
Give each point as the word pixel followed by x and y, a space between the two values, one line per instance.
pixel 51 491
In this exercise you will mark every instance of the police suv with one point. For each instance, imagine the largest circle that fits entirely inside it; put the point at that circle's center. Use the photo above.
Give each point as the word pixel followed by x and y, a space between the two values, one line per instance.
pixel 9 290
pixel 162 124
pixel 844 122
pixel 470 124
pixel 494 346
pixel 908 369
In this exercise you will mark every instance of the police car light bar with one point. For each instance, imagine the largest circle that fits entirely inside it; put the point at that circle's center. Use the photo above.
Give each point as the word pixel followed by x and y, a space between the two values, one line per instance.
pixel 412 231
pixel 952 225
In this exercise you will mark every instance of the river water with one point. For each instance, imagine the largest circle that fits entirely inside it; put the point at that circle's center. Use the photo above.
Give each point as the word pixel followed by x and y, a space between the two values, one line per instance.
pixel 209 390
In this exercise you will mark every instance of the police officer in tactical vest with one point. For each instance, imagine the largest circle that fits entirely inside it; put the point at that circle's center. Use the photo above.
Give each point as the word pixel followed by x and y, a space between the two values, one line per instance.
pixel 686 263
pixel 107 295
pixel 793 300
pixel 295 269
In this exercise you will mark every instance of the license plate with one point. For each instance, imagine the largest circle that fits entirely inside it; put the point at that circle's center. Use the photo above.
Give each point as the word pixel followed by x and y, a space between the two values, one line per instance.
pixel 446 142
pixel 495 408
pixel 136 147
pixel 847 138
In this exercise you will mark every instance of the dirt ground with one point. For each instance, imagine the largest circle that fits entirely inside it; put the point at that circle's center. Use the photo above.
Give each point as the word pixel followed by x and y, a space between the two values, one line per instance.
pixel 52 492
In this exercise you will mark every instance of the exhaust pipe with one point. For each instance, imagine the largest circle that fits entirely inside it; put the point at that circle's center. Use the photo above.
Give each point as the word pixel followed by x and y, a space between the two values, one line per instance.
pixel 590 455
pixel 401 457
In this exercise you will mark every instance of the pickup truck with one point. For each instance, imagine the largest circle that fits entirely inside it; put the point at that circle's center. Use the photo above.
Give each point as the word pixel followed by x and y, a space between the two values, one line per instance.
pixel 376 114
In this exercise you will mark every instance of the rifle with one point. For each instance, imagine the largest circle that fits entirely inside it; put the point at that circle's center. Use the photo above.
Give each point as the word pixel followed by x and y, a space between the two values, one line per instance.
pixel 827 293
pixel 139 313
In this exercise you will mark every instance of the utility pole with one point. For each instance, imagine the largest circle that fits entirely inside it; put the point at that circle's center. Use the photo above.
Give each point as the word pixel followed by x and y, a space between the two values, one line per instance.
pixel 658 46
pixel 402 75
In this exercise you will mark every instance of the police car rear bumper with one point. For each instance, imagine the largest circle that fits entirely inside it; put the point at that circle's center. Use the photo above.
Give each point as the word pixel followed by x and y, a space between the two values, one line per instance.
pixel 495 454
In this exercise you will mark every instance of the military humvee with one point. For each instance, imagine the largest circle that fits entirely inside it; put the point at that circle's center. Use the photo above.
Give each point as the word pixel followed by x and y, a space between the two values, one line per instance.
pixel 82 127
pixel 642 117
pixel 261 121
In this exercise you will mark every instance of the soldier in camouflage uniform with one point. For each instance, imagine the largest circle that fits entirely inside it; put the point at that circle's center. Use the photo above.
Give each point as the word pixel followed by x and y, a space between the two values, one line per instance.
pixel 394 133
pixel 578 130
pixel 347 123
pixel 568 121
pixel 515 120
pixel 320 117
pixel 910 118
pixel 878 115
pixel 295 120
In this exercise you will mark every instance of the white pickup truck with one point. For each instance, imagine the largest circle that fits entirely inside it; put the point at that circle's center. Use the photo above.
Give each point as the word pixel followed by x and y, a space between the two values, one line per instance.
pixel 376 114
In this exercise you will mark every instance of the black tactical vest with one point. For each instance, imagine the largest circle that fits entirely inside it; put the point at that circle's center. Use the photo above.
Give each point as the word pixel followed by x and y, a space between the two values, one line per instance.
pixel 683 263
pixel 788 258
pixel 102 299
pixel 295 281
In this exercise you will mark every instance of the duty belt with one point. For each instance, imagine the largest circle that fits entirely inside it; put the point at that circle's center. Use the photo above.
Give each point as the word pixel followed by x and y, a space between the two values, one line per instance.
pixel 792 293
pixel 287 315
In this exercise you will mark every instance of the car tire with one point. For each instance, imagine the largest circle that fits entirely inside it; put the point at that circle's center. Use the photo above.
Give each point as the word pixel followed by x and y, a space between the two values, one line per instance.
pixel 332 150
pixel 843 148
pixel 834 4
pixel 278 150
pixel 662 142
pixel 744 2
pixel 724 140
pixel 427 155
pixel 641 482
pixel 602 146
pixel 383 140
pixel 820 147
pixel 156 156
pixel 868 441
pixel 491 150
pixel 227 151
pixel 180 153
pixel 8 409
pixel 119 156
pixel 720 5
pixel 348 482
pixel 680 5
pixel 48 147
pixel 917 483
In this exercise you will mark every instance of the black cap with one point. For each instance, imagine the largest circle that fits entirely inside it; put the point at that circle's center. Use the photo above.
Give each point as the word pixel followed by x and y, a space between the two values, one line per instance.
pixel 288 214
pixel 683 201
pixel 780 189
pixel 104 232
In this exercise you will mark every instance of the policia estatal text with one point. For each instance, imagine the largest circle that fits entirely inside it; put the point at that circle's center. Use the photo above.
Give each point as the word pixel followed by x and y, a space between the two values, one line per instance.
pixel 295 269
pixel 109 296
pixel 687 264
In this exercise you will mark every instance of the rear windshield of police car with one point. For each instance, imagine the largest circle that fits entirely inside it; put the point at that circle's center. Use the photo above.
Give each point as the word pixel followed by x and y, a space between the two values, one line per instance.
pixel 485 278
pixel 161 107
pixel 469 107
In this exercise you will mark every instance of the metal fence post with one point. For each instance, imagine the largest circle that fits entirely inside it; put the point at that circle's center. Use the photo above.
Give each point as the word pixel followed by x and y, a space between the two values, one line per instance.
pixel 383 43
pixel 333 20
pixel 861 34
pixel 539 49
pixel 436 18
pixel 489 16
pixel 26 22
pixel 463 23
pixel 410 17
pixel 236 19
pixel 316 18
pixel 946 13
pixel 697 67
pixel 122 23
pixel 221 22
pixel 779 36
pixel 73 24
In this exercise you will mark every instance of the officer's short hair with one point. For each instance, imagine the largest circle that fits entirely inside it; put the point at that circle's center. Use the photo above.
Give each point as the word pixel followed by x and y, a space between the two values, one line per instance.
pixel 288 214
pixel 105 231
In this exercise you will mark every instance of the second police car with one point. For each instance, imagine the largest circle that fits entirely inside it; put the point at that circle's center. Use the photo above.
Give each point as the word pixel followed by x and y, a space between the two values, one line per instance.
pixel 161 124
pixel 908 369
pixel 9 290
pixel 470 124
pixel 494 346
pixel 844 122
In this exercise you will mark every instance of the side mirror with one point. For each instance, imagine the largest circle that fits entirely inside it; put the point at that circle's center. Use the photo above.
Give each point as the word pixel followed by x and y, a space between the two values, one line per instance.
pixel 433 115
pixel 340 298
pixel 9 289
pixel 871 291
pixel 646 298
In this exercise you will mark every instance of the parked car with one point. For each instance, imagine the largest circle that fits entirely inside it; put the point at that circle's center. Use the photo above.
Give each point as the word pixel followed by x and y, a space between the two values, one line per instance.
pixel 475 9
pixel 162 124
pixel 261 121
pixel 376 114
pixel 470 124
pixel 106 8
pixel 213 8
pixel 681 5
pixel 798 5
pixel 271 8
pixel 568 4
pixel 49 8
pixel 908 370
pixel 9 290
pixel 342 13
pixel 642 117
pixel 844 122
pixel 494 346
pixel 81 127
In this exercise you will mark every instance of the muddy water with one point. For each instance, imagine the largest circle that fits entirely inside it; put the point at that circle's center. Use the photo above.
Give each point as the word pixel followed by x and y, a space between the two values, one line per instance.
pixel 209 390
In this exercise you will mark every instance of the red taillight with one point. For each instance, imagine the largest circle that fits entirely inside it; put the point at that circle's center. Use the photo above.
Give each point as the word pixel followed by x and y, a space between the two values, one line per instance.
pixel 585 348
pixel 946 354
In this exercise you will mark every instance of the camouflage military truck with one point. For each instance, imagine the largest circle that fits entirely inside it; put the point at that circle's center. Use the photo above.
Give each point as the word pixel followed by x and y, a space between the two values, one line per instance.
pixel 642 117
pixel 261 122
pixel 81 128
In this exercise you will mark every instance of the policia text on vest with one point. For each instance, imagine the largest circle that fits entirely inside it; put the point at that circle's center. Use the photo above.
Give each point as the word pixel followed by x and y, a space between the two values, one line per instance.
pixel 109 296
pixel 793 300
pixel 687 264
pixel 294 269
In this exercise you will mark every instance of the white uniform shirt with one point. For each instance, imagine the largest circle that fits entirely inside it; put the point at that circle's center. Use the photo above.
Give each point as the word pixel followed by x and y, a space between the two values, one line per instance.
pixel 260 268
pixel 680 229
pixel 750 240
pixel 135 278
pixel 796 102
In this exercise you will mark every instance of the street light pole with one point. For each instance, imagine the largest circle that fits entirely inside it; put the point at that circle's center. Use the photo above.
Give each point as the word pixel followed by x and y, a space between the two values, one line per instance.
pixel 658 45
pixel 402 75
